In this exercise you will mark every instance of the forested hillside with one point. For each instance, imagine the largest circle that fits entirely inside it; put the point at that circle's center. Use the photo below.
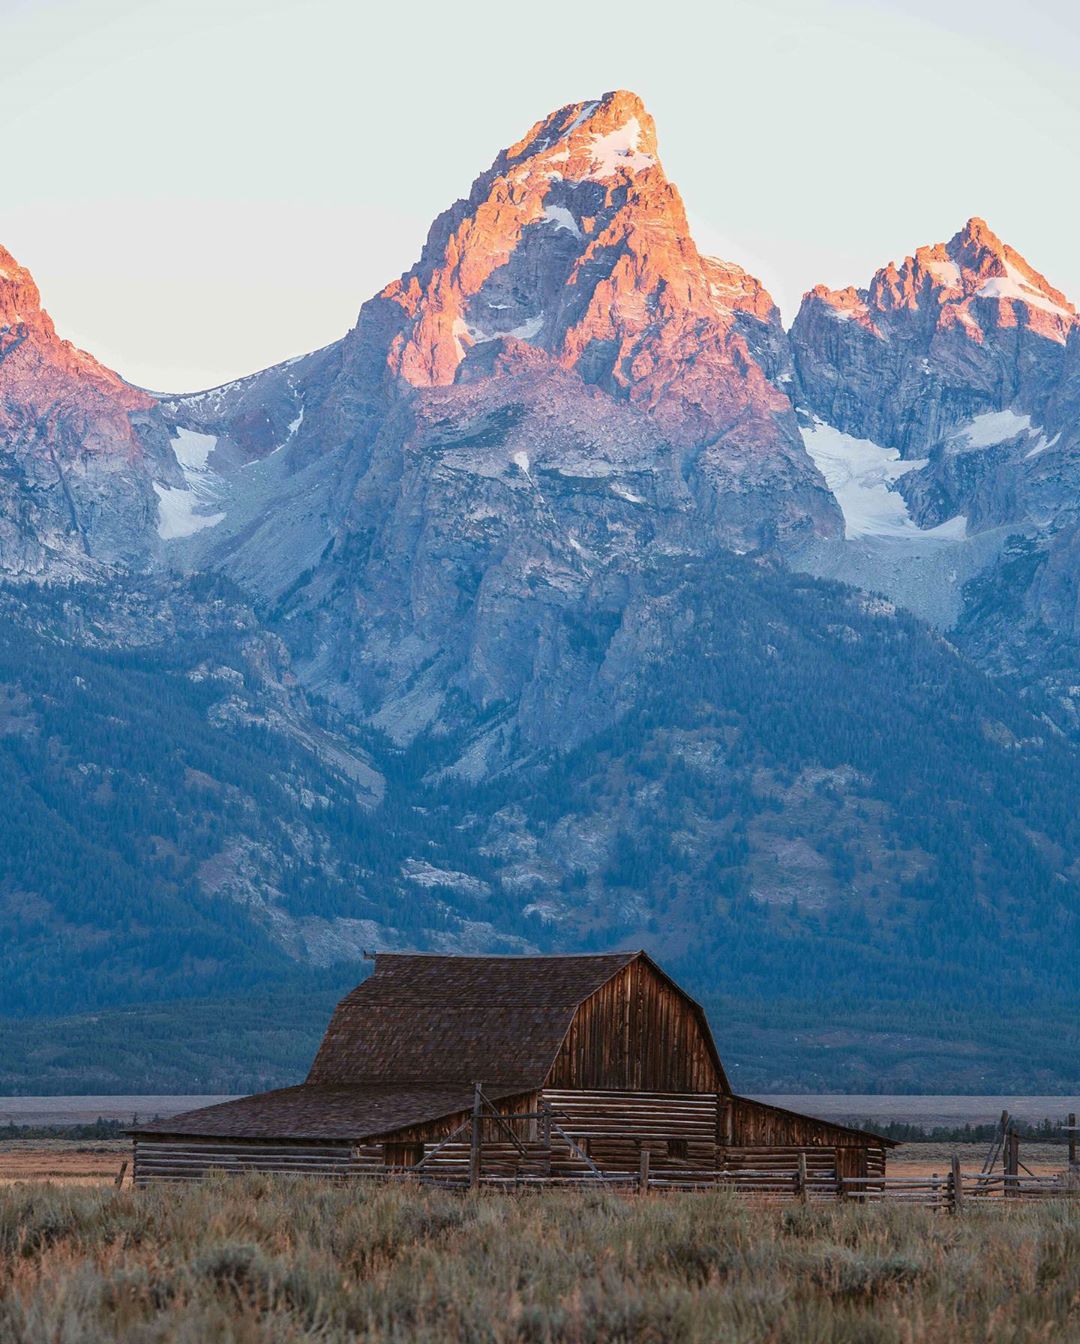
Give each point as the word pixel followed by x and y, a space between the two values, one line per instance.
pixel 815 811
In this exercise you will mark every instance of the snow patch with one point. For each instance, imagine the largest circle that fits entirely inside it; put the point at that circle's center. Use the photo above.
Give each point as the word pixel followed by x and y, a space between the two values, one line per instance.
pixel 193 450
pixel 988 429
pixel 1013 285
pixel 521 459
pixel 946 273
pixel 583 116
pixel 860 474
pixel 1042 445
pixel 624 493
pixel 181 509
pixel 176 513
pixel 561 218
pixel 528 329
pixel 478 336
pixel 619 149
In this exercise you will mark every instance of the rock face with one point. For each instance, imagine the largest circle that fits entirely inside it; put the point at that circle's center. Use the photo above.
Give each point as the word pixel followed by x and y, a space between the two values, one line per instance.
pixel 960 329
pixel 575 244
pixel 965 361
pixel 78 450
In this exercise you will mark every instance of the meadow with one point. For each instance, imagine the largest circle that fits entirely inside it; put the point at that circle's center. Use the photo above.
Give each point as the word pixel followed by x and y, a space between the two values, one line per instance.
pixel 258 1259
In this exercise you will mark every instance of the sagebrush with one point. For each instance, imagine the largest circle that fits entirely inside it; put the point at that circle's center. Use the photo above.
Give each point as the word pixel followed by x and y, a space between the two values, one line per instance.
pixel 258 1259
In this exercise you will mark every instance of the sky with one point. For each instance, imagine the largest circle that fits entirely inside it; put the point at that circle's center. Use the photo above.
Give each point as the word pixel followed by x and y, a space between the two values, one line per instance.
pixel 205 187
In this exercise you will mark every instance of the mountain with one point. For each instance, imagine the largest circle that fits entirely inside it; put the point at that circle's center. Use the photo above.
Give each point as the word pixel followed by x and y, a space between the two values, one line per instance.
pixel 507 622
pixel 561 387
pixel 78 449
pixel 960 330
pixel 955 378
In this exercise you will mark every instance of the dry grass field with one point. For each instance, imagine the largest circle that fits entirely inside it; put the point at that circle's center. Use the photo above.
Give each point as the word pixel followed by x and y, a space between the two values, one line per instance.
pixel 254 1259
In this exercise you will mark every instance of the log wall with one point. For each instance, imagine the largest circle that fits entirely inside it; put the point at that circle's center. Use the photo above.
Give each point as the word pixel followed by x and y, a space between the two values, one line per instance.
pixel 678 1129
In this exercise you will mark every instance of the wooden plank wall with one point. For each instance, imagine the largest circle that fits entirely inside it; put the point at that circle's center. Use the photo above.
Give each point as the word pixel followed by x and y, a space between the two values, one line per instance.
pixel 684 1132
pixel 614 1127
pixel 756 1124
pixel 180 1159
pixel 637 1033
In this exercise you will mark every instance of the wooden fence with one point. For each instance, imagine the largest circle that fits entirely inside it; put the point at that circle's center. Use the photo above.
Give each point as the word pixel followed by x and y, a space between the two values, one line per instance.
pixel 956 1189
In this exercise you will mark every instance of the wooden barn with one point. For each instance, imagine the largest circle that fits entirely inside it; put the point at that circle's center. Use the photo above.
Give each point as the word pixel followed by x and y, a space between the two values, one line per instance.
pixel 485 1069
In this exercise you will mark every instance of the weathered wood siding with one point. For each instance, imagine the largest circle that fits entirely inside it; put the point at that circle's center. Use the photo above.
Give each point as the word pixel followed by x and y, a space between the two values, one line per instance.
pixel 755 1122
pixel 183 1158
pixel 638 1033
pixel 434 1130
pixel 678 1129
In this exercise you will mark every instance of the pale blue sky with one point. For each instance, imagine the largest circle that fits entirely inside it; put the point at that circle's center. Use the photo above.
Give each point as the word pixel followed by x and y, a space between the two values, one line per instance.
pixel 203 188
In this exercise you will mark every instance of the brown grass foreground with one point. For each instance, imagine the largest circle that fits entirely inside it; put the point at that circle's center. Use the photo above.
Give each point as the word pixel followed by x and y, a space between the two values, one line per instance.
pixel 256 1259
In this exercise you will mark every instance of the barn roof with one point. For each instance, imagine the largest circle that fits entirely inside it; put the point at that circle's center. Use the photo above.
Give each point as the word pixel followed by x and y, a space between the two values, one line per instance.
pixel 424 1019
pixel 408 1043
pixel 309 1111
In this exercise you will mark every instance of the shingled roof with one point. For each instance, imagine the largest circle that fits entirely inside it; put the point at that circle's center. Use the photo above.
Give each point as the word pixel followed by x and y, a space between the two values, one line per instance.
pixel 455 1019
pixel 407 1044
pixel 348 1114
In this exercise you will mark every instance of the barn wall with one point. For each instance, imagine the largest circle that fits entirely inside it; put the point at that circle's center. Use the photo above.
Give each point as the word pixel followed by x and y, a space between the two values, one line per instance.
pixel 679 1130
pixel 637 1033
pixel 750 1124
pixel 434 1130
pixel 181 1157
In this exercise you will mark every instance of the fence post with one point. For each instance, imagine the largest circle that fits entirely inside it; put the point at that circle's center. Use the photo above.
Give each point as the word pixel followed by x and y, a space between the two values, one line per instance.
pixel 474 1137
pixel 119 1181
pixel 1072 1139
pixel 956 1182
pixel 643 1171
pixel 801 1190
pixel 1012 1162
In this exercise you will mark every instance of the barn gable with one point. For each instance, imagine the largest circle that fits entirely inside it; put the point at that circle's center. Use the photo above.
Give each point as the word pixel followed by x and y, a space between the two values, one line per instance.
pixel 639 1032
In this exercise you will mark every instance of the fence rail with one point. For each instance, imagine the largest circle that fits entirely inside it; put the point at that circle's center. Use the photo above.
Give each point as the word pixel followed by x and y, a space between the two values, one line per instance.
pixel 954 1190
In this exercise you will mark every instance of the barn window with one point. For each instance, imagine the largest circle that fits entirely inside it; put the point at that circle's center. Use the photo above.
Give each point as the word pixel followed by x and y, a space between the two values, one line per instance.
pixel 402 1154
pixel 678 1148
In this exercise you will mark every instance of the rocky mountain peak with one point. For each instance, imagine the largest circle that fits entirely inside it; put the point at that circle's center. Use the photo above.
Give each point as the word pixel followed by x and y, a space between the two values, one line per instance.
pixel 31 353
pixel 67 435
pixel 991 269
pixel 609 137
pixel 580 200
pixel 957 330
pixel 974 283
pixel 576 243
pixel 20 301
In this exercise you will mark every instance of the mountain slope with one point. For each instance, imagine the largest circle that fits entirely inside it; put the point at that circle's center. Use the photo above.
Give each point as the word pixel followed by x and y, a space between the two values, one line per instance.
pixel 805 800
pixel 180 821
